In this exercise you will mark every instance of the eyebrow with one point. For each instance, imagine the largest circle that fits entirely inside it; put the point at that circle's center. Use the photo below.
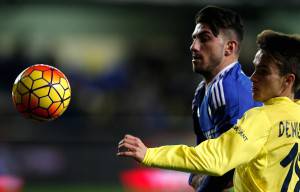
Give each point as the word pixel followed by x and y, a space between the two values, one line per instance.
pixel 201 33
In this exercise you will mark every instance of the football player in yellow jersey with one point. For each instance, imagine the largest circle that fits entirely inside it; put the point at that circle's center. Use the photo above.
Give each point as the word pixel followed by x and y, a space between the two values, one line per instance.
pixel 263 146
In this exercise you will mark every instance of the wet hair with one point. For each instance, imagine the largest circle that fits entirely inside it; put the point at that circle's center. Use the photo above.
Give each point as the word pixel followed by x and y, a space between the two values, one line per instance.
pixel 220 18
pixel 284 49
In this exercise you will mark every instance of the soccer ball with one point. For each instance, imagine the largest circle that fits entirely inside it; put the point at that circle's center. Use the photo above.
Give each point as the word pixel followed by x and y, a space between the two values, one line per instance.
pixel 41 92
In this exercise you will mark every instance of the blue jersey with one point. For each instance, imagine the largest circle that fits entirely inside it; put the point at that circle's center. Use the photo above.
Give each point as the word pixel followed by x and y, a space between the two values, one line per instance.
pixel 217 107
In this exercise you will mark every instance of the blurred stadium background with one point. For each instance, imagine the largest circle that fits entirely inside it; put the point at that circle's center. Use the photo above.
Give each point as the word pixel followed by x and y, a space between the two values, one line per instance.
pixel 129 66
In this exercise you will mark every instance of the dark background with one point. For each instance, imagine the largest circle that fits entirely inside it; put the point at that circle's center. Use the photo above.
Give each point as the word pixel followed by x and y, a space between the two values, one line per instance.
pixel 129 66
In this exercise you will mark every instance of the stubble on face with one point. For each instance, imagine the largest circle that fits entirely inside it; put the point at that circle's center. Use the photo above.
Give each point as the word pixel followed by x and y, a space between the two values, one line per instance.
pixel 208 52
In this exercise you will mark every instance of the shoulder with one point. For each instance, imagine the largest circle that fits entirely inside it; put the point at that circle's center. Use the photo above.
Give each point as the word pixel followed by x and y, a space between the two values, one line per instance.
pixel 236 77
pixel 217 93
pixel 199 88
pixel 225 90
pixel 237 85
pixel 256 116
pixel 257 113
pixel 197 94
pixel 234 83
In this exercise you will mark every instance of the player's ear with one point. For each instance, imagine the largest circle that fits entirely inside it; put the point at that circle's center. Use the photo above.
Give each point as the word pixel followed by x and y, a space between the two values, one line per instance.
pixel 231 47
pixel 290 79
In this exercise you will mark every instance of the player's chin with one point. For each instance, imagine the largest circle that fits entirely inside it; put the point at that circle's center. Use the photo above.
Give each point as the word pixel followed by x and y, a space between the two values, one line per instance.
pixel 257 97
pixel 197 68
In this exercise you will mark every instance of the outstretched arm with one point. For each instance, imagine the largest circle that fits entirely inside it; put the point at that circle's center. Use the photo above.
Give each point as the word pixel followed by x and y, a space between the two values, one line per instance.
pixel 214 156
pixel 131 146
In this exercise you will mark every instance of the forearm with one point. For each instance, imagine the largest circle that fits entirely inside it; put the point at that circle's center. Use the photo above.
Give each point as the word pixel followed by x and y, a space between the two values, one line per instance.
pixel 211 157
pixel 181 158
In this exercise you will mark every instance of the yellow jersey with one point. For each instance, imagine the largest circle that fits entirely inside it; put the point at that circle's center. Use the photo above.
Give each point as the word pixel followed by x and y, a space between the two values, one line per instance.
pixel 263 147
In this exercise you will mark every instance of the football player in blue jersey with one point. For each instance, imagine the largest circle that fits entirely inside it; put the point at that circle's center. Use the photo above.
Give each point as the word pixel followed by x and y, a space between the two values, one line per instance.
pixel 263 146
pixel 225 92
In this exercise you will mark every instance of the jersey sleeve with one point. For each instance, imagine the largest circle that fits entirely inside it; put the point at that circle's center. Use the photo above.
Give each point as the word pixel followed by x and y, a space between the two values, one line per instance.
pixel 239 145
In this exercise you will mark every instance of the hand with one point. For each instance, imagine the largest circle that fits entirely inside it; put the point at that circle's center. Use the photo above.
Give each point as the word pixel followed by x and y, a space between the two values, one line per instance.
pixel 131 146
pixel 196 180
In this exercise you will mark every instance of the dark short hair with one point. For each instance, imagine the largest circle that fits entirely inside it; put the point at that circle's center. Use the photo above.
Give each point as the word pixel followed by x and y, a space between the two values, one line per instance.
pixel 285 49
pixel 220 18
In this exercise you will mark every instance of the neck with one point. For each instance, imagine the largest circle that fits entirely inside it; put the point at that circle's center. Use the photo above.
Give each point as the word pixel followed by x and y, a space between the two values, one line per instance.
pixel 291 96
pixel 209 76
pixel 288 92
